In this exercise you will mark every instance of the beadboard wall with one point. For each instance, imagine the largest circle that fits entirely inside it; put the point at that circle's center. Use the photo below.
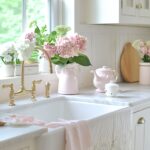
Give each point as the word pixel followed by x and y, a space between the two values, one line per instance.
pixel 105 42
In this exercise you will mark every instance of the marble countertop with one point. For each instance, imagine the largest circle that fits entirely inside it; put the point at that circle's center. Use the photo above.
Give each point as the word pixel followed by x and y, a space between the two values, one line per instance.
pixel 129 95
pixel 13 133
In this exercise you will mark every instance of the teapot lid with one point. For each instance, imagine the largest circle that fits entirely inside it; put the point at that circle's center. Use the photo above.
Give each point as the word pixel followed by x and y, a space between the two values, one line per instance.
pixel 104 68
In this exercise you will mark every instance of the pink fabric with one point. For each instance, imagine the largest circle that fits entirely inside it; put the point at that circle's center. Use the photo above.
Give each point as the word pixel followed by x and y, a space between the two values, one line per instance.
pixel 20 119
pixel 77 132
pixel 77 136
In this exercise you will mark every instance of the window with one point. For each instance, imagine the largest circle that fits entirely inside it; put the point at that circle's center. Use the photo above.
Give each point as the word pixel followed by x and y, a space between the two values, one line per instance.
pixel 15 16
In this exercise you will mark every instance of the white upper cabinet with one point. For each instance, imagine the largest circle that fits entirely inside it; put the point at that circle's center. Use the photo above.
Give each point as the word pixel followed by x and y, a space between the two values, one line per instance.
pixel 128 8
pixel 144 8
pixel 136 12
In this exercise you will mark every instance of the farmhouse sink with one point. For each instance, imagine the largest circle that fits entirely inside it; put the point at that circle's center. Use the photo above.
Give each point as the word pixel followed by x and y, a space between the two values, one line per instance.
pixel 64 108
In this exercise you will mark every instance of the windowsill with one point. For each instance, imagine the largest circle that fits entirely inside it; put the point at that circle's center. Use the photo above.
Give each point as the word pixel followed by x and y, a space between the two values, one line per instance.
pixel 32 75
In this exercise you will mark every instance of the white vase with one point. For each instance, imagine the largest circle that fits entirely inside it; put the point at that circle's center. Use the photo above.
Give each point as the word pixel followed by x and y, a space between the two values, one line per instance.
pixel 43 65
pixel 144 77
pixel 7 70
pixel 67 78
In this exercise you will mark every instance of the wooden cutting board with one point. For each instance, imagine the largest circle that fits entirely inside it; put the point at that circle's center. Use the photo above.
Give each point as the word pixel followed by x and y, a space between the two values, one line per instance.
pixel 129 63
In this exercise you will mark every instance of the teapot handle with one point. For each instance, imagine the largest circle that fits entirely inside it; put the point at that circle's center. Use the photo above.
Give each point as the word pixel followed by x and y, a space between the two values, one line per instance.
pixel 115 74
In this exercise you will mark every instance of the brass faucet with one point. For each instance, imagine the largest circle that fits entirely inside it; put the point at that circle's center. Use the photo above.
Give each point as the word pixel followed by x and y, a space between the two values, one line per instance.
pixel 22 89
pixel 33 89
pixel 47 90
pixel 11 94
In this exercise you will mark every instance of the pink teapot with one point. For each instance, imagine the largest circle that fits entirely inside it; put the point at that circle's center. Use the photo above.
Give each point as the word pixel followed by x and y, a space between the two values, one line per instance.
pixel 103 76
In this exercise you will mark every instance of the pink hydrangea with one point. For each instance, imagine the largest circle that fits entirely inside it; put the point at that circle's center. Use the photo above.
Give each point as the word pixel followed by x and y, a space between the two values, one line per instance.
pixel 144 50
pixel 70 46
pixel 51 50
pixel 65 48
pixel 30 36
pixel 148 51
pixel 78 41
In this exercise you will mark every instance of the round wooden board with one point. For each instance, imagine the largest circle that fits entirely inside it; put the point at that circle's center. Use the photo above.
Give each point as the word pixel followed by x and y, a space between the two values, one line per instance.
pixel 129 63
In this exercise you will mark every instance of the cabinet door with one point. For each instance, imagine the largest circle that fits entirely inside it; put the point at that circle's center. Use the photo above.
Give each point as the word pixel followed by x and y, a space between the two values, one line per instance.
pixel 128 7
pixel 142 130
pixel 144 8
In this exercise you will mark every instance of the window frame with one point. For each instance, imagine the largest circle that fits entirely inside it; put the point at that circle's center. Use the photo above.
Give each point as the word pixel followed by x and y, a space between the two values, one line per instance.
pixel 54 14
pixel 53 19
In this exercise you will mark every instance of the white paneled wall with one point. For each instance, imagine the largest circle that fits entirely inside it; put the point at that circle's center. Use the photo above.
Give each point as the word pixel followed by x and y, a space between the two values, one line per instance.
pixel 105 42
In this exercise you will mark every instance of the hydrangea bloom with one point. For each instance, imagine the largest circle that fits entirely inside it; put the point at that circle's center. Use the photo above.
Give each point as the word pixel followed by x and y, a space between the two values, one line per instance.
pixel 30 36
pixel 25 46
pixel 143 48
pixel 67 46
pixel 8 53
pixel 50 49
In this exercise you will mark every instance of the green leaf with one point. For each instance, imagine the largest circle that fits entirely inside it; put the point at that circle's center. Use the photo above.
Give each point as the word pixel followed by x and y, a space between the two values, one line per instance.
pixel 37 30
pixel 62 30
pixel 146 58
pixel 59 60
pixel 33 23
pixel 82 60
pixel 34 56
pixel 44 29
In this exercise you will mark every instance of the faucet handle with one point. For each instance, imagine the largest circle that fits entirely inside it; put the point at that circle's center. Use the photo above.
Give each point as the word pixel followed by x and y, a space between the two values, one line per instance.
pixel 34 82
pixel 47 90
pixel 11 93
pixel 8 85
pixel 37 81
pixel 33 90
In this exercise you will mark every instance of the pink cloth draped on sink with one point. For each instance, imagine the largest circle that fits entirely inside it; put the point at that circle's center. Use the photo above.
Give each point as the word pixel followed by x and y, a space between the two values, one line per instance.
pixel 77 132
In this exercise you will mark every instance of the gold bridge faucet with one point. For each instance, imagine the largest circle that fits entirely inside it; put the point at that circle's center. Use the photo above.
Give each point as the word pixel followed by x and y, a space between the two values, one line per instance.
pixel 22 89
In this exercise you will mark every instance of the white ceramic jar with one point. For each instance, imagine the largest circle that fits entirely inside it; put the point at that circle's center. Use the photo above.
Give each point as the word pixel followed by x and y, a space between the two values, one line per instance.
pixel 144 77
pixel 111 89
pixel 7 70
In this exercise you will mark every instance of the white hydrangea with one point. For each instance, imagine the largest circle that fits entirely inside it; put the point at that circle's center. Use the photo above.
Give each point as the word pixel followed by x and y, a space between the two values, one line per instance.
pixel 24 49
pixel 7 48
pixel 8 53
pixel 8 58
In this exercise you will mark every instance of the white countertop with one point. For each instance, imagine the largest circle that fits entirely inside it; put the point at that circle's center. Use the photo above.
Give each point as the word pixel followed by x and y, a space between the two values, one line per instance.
pixel 8 133
pixel 129 95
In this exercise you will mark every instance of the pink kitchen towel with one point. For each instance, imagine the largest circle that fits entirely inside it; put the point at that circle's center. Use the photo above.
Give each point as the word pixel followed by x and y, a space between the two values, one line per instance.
pixel 77 132
pixel 78 136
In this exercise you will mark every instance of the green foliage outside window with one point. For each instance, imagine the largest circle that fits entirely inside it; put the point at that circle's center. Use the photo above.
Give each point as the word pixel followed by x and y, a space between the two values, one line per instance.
pixel 11 18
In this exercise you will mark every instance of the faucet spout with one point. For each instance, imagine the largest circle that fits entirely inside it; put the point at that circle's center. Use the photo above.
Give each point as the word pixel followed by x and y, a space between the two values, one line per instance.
pixel 47 56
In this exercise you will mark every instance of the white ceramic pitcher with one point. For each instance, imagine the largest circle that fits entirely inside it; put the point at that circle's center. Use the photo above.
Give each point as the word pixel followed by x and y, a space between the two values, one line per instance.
pixel 68 80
